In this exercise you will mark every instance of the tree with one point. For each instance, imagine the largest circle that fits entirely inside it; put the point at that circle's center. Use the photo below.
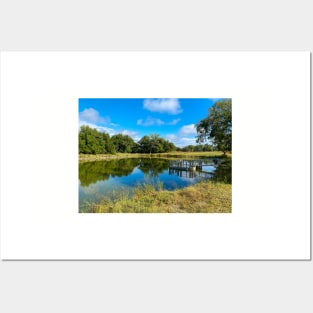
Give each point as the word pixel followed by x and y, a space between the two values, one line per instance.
pixel 108 144
pixel 92 141
pixel 167 145
pixel 123 143
pixel 188 148
pixel 154 144
pixel 208 147
pixel 217 126
pixel 144 145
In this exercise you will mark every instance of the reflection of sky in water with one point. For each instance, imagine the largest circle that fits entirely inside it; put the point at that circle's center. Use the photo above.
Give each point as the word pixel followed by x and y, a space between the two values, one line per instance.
pixel 208 168
pixel 106 188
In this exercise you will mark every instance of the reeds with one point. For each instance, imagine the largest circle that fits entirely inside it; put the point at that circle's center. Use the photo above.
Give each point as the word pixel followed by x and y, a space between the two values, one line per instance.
pixel 204 197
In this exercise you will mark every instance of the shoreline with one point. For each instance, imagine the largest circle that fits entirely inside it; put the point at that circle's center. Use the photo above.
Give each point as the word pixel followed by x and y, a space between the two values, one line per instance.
pixel 170 155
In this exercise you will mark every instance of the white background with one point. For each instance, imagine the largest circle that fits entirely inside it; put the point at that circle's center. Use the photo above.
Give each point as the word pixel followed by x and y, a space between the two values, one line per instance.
pixel 271 211
pixel 158 286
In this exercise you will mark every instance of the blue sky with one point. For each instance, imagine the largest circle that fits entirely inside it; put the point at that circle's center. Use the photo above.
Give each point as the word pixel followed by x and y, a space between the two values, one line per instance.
pixel 172 119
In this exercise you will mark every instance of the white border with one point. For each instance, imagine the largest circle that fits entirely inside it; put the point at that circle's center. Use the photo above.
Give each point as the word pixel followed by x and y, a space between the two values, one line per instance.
pixel 271 117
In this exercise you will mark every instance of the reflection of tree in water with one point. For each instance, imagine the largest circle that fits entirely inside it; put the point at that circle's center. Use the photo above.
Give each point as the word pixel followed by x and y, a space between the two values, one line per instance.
pixel 153 167
pixel 223 171
pixel 91 172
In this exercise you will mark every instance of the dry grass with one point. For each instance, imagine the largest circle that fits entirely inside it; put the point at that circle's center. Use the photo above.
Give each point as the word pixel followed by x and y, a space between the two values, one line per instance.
pixel 204 197
pixel 173 154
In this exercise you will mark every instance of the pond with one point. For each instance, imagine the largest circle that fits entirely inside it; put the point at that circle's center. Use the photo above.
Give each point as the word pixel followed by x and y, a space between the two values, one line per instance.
pixel 106 178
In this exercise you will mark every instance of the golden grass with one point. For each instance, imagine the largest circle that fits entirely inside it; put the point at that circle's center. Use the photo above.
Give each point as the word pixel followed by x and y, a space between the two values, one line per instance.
pixel 173 154
pixel 204 197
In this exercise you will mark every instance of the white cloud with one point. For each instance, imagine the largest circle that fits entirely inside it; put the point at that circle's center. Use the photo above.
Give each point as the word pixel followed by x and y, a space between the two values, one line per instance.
pixel 150 121
pixel 174 122
pixel 92 116
pixel 188 130
pixel 170 106
pixel 181 141
pixel 111 131
pixel 114 125
pixel 131 133
pixel 185 136
pixel 171 137
pixel 103 129
pixel 187 141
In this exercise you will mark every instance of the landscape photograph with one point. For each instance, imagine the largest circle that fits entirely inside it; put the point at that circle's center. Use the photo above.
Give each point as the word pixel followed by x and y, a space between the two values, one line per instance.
pixel 155 155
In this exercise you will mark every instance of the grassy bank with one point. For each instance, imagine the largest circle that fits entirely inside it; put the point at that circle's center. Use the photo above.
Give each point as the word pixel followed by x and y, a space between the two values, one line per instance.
pixel 174 154
pixel 204 197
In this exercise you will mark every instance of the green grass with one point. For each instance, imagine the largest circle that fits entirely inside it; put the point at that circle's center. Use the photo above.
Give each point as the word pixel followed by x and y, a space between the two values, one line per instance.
pixel 204 197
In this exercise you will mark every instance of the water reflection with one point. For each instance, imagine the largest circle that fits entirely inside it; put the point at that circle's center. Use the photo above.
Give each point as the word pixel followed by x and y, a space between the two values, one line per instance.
pixel 92 172
pixel 223 171
pixel 104 178
pixel 153 167
pixel 189 174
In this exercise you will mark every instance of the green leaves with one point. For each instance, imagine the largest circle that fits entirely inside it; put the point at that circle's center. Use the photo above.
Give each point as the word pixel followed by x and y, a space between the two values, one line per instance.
pixel 154 144
pixel 123 143
pixel 217 126
pixel 92 141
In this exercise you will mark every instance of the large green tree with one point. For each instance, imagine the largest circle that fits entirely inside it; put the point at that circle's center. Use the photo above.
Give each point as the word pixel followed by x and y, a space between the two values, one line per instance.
pixel 154 144
pixel 217 126
pixel 92 141
pixel 123 143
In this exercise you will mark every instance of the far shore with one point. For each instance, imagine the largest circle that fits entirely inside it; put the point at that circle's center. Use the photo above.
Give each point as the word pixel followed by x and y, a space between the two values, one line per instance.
pixel 174 154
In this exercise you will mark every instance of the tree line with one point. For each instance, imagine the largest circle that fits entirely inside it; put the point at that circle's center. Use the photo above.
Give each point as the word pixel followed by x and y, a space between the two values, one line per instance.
pixel 197 148
pixel 216 127
pixel 91 141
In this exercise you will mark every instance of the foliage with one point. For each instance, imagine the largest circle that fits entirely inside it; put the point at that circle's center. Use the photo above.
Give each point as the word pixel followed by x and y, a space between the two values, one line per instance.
pixel 217 126
pixel 92 141
pixel 123 143
pixel 198 148
pixel 154 144
pixel 223 171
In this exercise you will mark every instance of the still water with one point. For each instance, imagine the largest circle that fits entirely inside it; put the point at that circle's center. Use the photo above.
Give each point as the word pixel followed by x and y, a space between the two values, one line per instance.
pixel 105 178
